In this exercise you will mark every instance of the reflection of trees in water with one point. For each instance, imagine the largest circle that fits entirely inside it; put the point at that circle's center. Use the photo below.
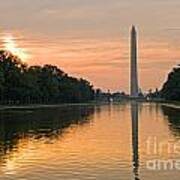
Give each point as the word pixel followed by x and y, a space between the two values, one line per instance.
pixel 45 123
pixel 173 116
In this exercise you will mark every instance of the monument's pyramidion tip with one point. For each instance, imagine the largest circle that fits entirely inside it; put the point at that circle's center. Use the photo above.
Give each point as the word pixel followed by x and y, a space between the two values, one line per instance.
pixel 133 30
pixel 133 27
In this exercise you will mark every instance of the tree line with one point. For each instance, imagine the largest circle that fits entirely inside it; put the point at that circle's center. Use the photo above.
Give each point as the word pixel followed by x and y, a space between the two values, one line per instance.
pixel 171 88
pixel 23 84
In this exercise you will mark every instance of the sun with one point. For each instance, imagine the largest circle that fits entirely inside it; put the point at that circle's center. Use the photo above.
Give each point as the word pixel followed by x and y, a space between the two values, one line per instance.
pixel 10 44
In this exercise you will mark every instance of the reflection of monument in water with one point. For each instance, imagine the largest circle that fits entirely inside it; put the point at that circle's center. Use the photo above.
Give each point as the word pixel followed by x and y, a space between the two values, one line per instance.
pixel 134 71
pixel 135 143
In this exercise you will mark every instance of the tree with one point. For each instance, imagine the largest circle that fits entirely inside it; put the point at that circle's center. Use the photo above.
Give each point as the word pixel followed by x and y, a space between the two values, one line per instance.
pixel 171 88
pixel 11 71
pixel 39 84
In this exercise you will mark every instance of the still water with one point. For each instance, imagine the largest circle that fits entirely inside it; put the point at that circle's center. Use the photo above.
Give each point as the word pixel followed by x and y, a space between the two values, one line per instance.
pixel 108 142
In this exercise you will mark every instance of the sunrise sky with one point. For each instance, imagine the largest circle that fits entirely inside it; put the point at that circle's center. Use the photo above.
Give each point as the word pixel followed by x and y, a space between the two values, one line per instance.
pixel 90 38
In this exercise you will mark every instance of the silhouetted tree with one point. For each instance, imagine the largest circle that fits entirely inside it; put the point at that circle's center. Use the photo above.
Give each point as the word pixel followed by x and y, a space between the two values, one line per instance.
pixel 35 84
pixel 171 88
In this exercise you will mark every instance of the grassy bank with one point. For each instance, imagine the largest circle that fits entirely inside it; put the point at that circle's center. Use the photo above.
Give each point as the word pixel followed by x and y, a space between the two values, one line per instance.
pixel 172 104
pixel 40 106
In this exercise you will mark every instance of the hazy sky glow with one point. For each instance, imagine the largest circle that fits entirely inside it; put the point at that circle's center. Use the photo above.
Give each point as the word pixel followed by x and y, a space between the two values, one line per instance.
pixel 90 38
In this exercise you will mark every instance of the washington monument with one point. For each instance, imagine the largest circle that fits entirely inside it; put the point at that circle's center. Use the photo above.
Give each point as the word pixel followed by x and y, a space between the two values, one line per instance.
pixel 134 73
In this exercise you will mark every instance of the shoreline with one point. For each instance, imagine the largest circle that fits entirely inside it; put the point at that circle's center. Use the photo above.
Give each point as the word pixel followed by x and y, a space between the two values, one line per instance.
pixel 170 104
pixel 40 106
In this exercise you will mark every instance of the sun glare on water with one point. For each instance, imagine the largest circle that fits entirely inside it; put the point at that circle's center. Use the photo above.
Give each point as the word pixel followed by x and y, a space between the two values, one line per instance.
pixel 10 44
